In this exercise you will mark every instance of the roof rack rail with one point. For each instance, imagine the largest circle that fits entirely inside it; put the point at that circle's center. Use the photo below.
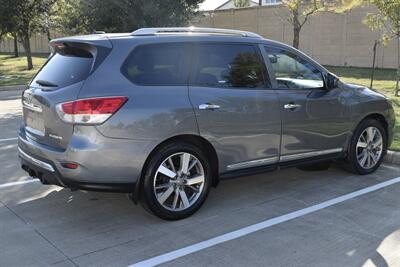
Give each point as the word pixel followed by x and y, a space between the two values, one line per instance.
pixel 193 30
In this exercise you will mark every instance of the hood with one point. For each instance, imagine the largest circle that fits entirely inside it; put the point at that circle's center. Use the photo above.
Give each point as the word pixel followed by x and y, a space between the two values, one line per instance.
pixel 363 90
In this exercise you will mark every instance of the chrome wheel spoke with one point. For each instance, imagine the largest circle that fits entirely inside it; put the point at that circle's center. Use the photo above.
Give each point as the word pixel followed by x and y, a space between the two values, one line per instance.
pixel 377 143
pixel 370 160
pixel 374 158
pixel 165 195
pixel 171 164
pixel 195 180
pixel 364 158
pixel 184 198
pixel 176 198
pixel 164 170
pixel 162 186
pixel 193 188
pixel 362 144
pixel 185 160
pixel 192 164
pixel 370 134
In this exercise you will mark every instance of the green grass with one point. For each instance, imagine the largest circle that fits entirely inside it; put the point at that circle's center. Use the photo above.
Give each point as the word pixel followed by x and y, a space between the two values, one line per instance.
pixel 13 71
pixel 384 82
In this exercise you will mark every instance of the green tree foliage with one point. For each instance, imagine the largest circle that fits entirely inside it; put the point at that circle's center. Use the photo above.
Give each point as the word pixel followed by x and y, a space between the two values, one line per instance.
pixel 241 3
pixel 125 15
pixel 301 10
pixel 25 17
pixel 387 19
pixel 8 23
pixel 68 17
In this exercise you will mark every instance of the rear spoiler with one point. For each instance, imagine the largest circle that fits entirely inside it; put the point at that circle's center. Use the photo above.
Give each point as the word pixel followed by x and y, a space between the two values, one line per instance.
pixel 97 46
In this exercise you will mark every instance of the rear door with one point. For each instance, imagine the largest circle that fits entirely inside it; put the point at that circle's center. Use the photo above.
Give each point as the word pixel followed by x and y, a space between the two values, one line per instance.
pixel 236 109
pixel 59 80
pixel 315 120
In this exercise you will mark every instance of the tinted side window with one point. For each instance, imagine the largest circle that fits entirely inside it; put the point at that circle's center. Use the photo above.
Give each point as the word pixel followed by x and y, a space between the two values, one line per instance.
pixel 228 66
pixel 158 64
pixel 292 71
pixel 66 67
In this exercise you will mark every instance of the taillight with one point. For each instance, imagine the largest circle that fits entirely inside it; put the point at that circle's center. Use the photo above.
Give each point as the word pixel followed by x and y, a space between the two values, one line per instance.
pixel 90 110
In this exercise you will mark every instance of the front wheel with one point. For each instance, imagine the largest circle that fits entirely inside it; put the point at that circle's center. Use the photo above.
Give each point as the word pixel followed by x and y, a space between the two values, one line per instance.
pixel 368 147
pixel 176 182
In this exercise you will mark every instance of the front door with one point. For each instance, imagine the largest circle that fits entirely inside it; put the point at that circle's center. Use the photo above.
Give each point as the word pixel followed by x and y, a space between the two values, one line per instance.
pixel 315 121
pixel 236 109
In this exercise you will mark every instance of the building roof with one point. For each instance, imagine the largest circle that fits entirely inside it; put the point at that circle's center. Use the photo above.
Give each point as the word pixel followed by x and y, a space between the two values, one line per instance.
pixel 252 1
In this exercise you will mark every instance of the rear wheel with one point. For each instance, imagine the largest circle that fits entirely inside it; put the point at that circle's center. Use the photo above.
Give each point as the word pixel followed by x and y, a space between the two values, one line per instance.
pixel 176 182
pixel 368 147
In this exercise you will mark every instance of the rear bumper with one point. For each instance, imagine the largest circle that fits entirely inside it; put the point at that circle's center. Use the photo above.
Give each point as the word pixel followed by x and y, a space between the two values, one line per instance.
pixel 35 169
pixel 105 164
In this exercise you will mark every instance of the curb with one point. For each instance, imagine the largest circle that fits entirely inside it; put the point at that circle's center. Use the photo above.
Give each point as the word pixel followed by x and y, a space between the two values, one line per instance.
pixel 12 87
pixel 392 157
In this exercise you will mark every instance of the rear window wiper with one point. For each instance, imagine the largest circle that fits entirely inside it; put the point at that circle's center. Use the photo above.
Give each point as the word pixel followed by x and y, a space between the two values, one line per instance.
pixel 46 83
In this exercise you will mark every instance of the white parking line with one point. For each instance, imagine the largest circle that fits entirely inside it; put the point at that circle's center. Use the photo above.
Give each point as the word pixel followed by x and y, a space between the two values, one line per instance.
pixel 8 139
pixel 259 226
pixel 18 183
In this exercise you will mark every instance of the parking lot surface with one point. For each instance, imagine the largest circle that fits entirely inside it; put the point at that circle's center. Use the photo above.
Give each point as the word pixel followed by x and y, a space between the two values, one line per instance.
pixel 47 225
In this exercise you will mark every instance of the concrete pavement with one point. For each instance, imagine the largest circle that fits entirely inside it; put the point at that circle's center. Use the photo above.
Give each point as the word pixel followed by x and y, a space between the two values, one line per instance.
pixel 47 225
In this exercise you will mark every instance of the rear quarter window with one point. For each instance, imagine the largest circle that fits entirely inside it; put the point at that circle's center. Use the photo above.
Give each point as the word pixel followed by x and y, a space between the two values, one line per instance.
pixel 65 67
pixel 158 64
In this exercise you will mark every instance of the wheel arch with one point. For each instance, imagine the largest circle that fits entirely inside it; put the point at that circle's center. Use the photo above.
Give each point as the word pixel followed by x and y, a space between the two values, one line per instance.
pixel 375 116
pixel 196 140
pixel 378 117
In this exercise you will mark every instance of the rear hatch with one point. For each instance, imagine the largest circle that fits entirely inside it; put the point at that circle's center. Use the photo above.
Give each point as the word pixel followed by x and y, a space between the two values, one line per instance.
pixel 59 80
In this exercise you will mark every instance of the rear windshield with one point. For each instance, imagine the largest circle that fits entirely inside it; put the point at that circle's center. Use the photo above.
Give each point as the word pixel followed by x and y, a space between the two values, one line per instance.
pixel 64 68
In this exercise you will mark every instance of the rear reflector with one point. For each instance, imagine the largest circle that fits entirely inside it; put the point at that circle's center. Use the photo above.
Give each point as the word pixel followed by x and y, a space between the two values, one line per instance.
pixel 70 165
pixel 90 110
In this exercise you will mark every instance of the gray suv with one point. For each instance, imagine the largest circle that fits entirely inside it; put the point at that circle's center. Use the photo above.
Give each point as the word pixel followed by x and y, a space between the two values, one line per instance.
pixel 165 113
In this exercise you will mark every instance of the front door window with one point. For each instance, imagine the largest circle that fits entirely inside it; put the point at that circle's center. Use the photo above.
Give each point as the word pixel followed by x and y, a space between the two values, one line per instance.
pixel 292 71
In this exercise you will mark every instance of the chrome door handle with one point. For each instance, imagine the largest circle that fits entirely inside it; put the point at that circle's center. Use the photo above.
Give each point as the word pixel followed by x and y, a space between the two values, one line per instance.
pixel 292 106
pixel 209 106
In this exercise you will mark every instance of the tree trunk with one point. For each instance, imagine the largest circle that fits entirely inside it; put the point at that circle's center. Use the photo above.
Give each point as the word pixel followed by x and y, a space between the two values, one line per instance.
pixel 16 54
pixel 48 35
pixel 296 28
pixel 296 37
pixel 396 93
pixel 27 47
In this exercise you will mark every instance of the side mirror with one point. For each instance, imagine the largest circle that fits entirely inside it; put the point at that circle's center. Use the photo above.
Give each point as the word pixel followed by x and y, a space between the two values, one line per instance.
pixel 273 58
pixel 331 81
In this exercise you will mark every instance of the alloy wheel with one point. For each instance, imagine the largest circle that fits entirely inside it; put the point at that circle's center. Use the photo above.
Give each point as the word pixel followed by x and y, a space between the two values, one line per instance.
pixel 369 147
pixel 179 181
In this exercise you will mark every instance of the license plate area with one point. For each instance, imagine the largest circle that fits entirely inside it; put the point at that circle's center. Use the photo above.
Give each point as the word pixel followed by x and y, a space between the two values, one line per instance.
pixel 34 122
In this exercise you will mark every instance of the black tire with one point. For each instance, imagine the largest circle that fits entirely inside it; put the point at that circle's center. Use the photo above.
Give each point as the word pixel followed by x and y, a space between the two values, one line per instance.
pixel 149 199
pixel 351 162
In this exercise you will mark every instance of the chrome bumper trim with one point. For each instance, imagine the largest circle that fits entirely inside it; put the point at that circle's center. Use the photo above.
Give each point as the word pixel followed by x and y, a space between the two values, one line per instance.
pixel 35 161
